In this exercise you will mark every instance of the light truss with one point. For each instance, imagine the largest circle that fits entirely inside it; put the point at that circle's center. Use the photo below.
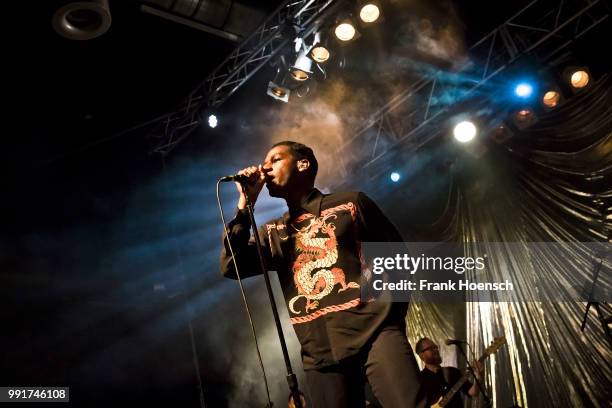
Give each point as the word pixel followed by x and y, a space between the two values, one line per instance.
pixel 294 18
pixel 412 118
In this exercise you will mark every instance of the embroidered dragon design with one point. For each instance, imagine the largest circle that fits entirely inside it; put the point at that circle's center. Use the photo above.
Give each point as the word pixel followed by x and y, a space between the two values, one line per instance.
pixel 317 246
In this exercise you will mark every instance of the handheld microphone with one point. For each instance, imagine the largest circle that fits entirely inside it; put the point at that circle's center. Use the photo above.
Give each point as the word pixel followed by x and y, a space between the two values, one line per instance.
pixel 241 178
pixel 448 342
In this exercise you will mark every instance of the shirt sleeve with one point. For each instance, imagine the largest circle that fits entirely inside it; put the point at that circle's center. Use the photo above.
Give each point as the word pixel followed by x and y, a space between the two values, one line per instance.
pixel 466 388
pixel 244 247
pixel 374 226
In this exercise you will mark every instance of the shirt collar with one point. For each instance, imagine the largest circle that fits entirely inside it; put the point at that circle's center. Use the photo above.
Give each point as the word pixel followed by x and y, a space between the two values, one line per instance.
pixel 311 203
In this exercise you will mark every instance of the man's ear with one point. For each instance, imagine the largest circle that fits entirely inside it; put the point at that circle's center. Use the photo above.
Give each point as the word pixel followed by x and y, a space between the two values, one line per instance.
pixel 303 164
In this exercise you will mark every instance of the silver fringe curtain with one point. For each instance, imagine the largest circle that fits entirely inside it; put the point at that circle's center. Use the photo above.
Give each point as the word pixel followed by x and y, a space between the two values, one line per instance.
pixel 549 184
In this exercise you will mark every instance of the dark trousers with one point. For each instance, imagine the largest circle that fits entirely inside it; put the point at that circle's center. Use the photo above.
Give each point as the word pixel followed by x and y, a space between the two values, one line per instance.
pixel 389 366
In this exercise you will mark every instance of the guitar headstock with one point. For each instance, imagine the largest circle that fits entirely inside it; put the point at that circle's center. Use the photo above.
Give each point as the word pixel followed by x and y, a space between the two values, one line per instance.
pixel 495 345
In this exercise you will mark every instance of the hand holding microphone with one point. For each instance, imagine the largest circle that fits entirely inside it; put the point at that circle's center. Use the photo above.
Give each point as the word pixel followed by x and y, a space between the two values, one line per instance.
pixel 252 179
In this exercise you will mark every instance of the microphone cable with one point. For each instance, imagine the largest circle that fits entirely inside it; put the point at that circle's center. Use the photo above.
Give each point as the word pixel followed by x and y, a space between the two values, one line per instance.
pixel 242 292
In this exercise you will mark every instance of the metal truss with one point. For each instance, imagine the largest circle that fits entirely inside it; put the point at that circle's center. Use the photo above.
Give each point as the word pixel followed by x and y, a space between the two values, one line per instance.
pixel 413 118
pixel 294 18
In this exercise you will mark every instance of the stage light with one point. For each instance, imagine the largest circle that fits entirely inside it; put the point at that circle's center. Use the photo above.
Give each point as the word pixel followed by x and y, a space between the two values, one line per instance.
pixel 579 79
pixel 212 121
pixel 302 68
pixel 320 50
pixel 278 92
pixel 501 134
pixel 395 177
pixel 551 99
pixel 345 30
pixel 464 131
pixel 524 115
pixel 369 12
pixel 523 90
pixel 319 53
pixel 524 118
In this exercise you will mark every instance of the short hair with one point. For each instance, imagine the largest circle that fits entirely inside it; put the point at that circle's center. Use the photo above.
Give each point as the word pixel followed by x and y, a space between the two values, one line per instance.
pixel 301 151
pixel 419 346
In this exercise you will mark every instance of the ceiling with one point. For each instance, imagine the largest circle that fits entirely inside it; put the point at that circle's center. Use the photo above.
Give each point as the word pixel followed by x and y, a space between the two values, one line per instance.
pixel 77 99
pixel 80 92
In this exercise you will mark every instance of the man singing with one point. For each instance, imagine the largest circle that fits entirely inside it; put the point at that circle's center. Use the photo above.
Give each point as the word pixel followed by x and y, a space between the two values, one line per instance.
pixel 316 249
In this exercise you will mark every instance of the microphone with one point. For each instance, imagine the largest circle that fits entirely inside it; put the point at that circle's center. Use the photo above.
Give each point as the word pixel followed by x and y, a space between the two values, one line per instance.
pixel 241 178
pixel 448 342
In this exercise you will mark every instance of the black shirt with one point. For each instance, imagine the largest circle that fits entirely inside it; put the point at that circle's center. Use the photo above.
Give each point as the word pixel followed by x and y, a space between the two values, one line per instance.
pixel 437 384
pixel 316 250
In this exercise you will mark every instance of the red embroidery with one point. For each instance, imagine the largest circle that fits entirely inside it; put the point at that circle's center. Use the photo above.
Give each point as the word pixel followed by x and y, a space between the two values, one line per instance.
pixel 270 227
pixel 302 217
pixel 315 273
pixel 324 311
pixel 348 206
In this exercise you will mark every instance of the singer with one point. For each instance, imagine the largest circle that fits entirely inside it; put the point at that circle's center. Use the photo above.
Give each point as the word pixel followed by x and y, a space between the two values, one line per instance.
pixel 438 380
pixel 315 248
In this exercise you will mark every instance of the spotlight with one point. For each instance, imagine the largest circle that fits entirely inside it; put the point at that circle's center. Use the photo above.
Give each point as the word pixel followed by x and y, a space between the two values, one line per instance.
pixel 344 28
pixel 579 79
pixel 212 121
pixel 501 133
pixel 464 131
pixel 523 115
pixel 395 177
pixel 302 68
pixel 524 118
pixel 369 11
pixel 551 99
pixel 523 90
pixel 319 53
pixel 345 31
pixel 320 50
pixel 278 92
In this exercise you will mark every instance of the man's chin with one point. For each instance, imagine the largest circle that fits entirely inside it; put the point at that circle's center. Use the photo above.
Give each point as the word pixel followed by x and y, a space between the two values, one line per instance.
pixel 273 190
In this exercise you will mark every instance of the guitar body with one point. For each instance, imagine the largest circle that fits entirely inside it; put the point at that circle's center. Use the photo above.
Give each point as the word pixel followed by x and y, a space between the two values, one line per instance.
pixel 495 345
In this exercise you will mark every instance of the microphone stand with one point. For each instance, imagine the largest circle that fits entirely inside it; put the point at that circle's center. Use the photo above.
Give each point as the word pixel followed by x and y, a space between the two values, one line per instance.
pixel 488 402
pixel 296 395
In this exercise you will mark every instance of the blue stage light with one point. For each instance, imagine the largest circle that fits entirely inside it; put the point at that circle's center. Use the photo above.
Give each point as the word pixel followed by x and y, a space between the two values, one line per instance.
pixel 395 176
pixel 523 90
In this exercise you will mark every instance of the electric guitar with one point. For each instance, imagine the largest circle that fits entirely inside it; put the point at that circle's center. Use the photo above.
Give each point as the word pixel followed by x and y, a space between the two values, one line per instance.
pixel 495 345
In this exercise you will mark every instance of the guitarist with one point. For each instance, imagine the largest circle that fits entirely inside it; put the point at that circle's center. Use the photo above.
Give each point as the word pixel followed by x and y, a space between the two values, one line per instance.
pixel 436 380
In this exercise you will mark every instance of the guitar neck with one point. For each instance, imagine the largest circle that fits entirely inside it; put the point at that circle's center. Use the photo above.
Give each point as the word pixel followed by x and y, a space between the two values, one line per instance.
pixel 451 393
pixel 493 347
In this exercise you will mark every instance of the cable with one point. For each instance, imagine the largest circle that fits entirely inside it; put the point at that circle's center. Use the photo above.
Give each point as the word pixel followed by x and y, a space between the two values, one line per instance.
pixel 244 299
